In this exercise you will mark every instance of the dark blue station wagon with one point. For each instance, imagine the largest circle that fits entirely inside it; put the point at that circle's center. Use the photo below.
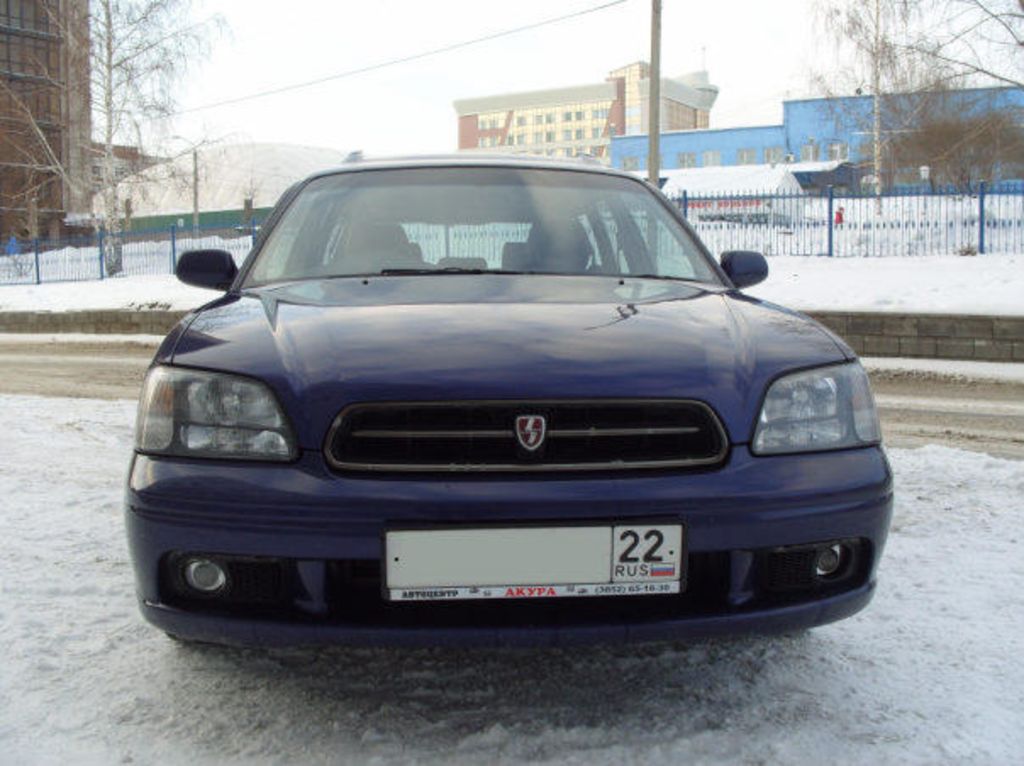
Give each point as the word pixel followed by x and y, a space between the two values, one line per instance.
pixel 497 401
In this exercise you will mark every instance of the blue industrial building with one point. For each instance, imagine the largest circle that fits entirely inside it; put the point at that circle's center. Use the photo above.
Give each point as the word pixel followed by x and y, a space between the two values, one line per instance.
pixel 817 129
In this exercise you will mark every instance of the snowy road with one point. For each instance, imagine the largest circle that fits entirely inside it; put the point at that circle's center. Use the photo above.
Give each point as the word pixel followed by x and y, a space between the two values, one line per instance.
pixel 929 673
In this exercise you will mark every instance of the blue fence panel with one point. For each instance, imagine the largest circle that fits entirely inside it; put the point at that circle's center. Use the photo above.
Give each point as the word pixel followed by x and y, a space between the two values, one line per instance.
pixel 842 225
pixel 125 254
pixel 785 223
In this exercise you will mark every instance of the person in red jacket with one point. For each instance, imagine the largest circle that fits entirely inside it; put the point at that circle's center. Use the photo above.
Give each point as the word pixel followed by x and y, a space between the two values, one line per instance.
pixel 839 216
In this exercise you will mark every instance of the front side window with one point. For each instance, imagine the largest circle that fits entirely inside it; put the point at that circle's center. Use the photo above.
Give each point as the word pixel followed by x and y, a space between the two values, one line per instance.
pixel 477 219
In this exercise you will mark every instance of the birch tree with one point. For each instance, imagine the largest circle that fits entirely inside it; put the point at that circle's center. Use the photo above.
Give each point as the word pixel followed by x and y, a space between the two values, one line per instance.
pixel 140 49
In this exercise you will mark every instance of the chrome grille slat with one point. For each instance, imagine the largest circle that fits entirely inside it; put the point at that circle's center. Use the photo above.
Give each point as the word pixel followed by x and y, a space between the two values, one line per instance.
pixel 379 434
pixel 622 431
pixel 510 434
pixel 480 436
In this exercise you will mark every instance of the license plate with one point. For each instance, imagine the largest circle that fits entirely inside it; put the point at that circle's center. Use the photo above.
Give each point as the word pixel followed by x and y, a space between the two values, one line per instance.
pixel 534 562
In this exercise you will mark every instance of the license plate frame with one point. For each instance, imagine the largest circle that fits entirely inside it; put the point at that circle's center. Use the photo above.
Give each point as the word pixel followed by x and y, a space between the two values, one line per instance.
pixel 417 564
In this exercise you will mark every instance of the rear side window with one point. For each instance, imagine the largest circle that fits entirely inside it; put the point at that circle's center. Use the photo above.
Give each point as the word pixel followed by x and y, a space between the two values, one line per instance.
pixel 487 219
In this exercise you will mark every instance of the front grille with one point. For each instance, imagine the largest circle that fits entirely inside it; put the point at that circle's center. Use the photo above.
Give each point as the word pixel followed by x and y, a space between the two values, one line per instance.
pixel 481 436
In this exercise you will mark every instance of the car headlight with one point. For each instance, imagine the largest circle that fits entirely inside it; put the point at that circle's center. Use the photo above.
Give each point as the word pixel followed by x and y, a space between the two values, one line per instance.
pixel 824 409
pixel 191 413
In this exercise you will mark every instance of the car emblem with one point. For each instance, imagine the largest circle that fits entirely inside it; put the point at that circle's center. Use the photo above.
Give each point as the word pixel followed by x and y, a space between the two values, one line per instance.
pixel 530 431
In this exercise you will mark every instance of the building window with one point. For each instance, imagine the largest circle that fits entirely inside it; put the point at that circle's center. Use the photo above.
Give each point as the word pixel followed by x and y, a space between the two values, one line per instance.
pixel 520 121
pixel 567 117
pixel 838 151
pixel 774 155
pixel 809 152
pixel 567 135
pixel 630 163
pixel 549 118
pixel 579 133
pixel 538 119
pixel 599 114
pixel 687 159
pixel 549 136
pixel 579 116
pixel 595 132
pixel 538 137
pixel 711 158
pixel 746 156
pixel 510 140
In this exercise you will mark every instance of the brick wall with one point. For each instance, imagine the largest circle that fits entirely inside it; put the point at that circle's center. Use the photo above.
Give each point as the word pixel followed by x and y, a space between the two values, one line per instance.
pixel 936 336
pixel 103 322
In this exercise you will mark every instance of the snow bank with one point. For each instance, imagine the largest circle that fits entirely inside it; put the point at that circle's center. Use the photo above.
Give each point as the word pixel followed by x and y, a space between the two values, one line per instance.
pixel 930 673
pixel 955 369
pixel 148 292
pixel 990 284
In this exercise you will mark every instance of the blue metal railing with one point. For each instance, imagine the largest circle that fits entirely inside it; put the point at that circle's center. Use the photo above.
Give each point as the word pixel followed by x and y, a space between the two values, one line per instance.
pixel 103 256
pixel 987 220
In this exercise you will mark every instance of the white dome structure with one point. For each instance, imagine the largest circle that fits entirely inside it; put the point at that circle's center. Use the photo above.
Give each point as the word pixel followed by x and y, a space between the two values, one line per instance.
pixel 228 175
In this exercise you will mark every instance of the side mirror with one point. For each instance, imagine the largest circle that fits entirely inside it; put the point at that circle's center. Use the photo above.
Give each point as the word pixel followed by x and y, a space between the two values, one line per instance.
pixel 214 269
pixel 745 268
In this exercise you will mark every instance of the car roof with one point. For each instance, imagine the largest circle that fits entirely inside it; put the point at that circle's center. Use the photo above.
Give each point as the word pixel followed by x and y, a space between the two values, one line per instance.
pixel 471 160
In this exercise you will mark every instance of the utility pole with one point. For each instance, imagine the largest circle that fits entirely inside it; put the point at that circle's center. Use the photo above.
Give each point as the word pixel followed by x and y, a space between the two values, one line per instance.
pixel 654 98
pixel 876 84
pixel 195 191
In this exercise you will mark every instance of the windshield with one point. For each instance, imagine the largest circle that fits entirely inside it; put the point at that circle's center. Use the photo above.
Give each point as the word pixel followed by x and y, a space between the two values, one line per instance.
pixel 452 220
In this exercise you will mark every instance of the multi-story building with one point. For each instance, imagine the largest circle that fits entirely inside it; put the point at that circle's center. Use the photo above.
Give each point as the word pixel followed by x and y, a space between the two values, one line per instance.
pixel 45 126
pixel 582 119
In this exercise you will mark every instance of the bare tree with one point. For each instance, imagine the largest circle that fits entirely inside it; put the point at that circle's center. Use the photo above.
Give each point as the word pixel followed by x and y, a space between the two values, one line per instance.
pixel 962 137
pixel 982 40
pixel 139 51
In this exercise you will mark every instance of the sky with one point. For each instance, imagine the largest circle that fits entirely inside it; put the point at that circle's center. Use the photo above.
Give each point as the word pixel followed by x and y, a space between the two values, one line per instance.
pixel 757 53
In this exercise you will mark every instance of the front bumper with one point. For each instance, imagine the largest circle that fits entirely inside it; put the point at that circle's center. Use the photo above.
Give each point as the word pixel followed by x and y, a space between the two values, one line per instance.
pixel 320 524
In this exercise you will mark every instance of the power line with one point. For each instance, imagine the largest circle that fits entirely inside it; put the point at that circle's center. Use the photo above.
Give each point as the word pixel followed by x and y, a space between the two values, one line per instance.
pixel 402 60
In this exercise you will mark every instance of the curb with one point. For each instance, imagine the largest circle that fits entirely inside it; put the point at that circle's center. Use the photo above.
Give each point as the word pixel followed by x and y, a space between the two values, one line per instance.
pixel 926 336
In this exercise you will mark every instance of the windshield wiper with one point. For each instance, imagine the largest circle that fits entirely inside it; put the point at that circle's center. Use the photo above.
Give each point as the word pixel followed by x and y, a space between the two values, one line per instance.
pixel 664 276
pixel 443 271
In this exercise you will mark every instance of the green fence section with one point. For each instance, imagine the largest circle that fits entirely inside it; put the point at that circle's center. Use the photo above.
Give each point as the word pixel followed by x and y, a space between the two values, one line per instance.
pixel 208 219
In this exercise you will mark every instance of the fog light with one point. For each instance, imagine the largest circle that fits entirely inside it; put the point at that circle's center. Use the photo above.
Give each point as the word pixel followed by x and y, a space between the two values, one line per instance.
pixel 205 576
pixel 829 560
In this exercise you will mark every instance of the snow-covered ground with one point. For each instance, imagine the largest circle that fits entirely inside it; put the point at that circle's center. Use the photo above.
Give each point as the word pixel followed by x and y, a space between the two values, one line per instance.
pixel 990 284
pixel 929 673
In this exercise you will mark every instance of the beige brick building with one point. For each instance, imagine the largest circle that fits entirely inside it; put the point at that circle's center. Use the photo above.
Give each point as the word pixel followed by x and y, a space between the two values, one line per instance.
pixel 580 120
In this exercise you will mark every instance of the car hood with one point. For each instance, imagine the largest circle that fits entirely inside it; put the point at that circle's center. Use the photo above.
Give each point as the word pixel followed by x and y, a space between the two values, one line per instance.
pixel 323 344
